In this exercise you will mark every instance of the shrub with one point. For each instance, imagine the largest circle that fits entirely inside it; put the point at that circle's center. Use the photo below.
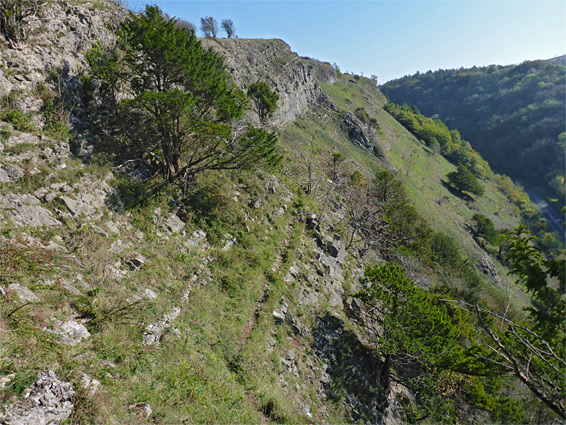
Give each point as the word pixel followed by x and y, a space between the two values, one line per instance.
pixel 264 100
pixel 180 109
pixel 483 227
pixel 465 181
pixel 15 17
pixel 18 119
pixel 444 250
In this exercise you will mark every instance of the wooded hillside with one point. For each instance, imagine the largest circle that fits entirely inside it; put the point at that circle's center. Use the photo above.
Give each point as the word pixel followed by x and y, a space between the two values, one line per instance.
pixel 513 115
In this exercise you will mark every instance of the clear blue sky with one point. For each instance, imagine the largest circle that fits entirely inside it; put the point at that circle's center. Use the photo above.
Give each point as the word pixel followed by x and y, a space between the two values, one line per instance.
pixel 394 38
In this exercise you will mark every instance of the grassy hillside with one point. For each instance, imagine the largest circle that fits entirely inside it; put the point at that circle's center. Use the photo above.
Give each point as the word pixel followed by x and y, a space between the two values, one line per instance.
pixel 513 115
pixel 236 296
pixel 415 165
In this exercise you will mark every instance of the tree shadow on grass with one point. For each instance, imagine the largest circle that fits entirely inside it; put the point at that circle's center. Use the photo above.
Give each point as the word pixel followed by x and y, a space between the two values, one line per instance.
pixel 136 193
pixel 462 195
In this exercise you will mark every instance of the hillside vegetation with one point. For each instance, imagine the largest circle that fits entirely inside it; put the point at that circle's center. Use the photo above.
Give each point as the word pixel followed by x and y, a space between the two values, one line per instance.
pixel 513 115
pixel 323 269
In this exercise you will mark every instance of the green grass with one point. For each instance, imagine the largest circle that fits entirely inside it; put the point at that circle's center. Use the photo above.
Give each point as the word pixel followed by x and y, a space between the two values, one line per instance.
pixel 188 378
pixel 422 172
pixel 212 370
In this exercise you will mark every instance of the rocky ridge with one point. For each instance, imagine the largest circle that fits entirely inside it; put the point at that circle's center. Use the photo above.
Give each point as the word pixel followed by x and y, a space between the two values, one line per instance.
pixel 294 78
pixel 81 205
pixel 122 301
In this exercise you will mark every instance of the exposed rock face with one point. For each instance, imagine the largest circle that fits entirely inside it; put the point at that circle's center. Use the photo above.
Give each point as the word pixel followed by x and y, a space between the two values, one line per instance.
pixel 10 173
pixel 90 384
pixel 24 210
pixel 293 78
pixel 24 293
pixel 48 402
pixel 351 371
pixel 174 224
pixel 357 134
pixel 154 331
pixel 62 35
pixel 143 410
pixel 488 268
pixel 17 139
pixel 71 331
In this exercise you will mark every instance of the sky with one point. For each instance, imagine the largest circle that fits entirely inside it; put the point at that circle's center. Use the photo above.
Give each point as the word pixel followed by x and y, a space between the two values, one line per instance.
pixel 391 39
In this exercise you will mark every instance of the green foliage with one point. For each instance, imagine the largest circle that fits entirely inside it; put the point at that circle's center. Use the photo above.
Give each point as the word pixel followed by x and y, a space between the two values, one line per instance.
pixel 370 124
pixel 515 194
pixel 483 227
pixel 536 274
pixel 362 114
pixel 18 384
pixel 533 351
pixel 18 119
pixel 408 227
pixel 264 100
pixel 336 68
pixel 56 119
pixel 210 207
pixel 408 230
pixel 550 242
pixel 444 250
pixel 465 181
pixel 408 313
pixel 180 107
pixel 432 347
pixel 438 137
pixel 513 115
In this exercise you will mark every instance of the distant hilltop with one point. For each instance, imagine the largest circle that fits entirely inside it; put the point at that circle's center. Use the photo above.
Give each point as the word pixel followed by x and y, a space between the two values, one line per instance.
pixel 558 60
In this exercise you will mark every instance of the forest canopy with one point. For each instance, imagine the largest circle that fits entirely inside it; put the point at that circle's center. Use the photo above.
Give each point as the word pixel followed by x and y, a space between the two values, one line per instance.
pixel 513 115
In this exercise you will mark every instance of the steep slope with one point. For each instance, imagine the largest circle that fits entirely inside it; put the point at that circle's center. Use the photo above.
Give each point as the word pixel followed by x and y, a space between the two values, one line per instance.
pixel 513 115
pixel 126 301
pixel 295 79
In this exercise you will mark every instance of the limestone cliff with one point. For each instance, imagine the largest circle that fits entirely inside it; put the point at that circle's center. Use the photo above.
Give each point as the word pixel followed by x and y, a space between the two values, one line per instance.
pixel 227 301
pixel 70 215
pixel 294 78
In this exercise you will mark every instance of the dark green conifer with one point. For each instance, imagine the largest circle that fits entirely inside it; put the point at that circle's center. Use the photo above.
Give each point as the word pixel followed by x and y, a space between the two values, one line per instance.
pixel 263 99
pixel 176 104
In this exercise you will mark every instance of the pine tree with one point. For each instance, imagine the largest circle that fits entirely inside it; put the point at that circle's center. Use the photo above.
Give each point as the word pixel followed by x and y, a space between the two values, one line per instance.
pixel 483 227
pixel 176 104
pixel 264 100
pixel 428 344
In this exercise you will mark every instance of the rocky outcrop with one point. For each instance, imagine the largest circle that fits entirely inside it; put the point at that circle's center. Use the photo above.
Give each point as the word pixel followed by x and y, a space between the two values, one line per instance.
pixel 350 370
pixel 357 133
pixel 63 34
pixel 489 269
pixel 74 198
pixel 23 292
pixel 47 402
pixel 294 78
pixel 10 173
pixel 24 210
